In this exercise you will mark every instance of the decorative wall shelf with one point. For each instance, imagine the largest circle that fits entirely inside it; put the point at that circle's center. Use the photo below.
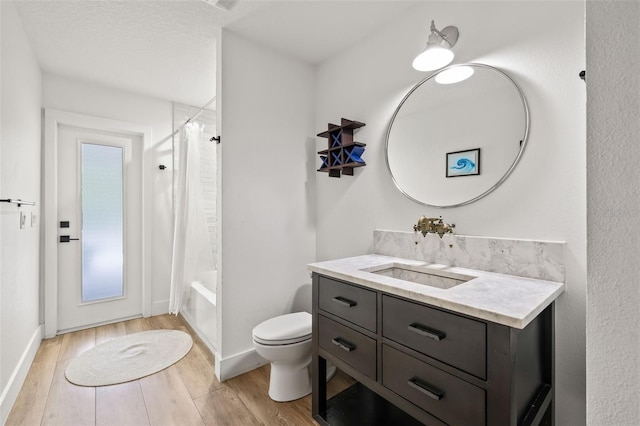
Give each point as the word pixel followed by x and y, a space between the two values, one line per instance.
pixel 343 154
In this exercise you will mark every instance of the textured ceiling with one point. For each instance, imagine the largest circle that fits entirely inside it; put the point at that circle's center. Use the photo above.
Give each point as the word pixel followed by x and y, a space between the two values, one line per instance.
pixel 313 30
pixel 167 48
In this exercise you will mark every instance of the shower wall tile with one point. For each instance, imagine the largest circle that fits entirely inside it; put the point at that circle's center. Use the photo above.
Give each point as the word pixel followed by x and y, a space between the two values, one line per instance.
pixel 525 258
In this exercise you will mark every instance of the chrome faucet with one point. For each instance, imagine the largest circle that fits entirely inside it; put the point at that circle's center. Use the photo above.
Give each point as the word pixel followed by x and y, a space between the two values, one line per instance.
pixel 433 225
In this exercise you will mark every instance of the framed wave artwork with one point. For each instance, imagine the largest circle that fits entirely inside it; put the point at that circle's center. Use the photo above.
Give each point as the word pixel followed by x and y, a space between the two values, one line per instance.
pixel 463 163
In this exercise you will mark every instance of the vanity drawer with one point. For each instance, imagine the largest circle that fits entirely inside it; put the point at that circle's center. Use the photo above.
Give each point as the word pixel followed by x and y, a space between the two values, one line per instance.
pixel 356 349
pixel 354 304
pixel 446 397
pixel 452 339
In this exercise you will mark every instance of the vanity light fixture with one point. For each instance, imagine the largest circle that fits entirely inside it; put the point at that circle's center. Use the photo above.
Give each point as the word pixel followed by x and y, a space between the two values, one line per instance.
pixel 438 52
pixel 454 74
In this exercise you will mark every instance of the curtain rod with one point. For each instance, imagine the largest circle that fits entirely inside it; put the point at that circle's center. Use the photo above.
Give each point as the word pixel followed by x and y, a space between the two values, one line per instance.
pixel 197 114
pixel 193 117
pixel 188 120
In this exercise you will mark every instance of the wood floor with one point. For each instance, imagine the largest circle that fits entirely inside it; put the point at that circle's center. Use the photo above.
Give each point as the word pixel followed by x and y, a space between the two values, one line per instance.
pixel 187 393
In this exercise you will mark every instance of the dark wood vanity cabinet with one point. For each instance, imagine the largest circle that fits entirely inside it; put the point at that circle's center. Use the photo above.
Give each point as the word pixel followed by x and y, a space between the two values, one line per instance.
pixel 416 363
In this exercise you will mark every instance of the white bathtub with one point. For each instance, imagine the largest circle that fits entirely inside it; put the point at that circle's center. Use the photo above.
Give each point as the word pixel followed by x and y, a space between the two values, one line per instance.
pixel 200 310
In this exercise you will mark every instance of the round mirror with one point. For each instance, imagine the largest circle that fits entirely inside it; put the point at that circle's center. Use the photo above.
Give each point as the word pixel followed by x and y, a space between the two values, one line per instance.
pixel 452 142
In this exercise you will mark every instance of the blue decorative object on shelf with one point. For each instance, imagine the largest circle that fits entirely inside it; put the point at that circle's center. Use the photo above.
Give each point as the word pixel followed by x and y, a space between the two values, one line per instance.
pixel 354 154
pixel 325 162
pixel 335 158
pixel 336 139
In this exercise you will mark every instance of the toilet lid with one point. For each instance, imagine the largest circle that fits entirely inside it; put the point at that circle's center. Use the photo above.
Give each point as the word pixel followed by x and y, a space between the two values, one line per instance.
pixel 284 329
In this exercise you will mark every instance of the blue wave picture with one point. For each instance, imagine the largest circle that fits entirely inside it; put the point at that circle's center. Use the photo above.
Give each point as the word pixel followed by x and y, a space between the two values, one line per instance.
pixel 463 163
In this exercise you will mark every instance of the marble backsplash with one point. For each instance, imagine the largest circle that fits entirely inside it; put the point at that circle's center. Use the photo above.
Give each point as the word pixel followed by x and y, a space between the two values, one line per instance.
pixel 525 258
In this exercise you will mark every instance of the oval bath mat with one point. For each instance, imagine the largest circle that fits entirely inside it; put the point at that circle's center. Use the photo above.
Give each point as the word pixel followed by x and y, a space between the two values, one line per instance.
pixel 128 358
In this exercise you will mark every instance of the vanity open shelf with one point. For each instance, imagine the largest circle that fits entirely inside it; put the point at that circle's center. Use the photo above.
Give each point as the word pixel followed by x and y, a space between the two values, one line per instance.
pixel 418 363
pixel 343 153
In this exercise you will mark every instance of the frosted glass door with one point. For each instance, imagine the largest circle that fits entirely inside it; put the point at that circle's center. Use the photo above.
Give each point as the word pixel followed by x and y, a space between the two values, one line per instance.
pixel 100 205
pixel 102 192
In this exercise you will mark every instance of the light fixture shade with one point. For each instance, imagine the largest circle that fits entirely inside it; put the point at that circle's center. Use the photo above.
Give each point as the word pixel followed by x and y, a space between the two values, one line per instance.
pixel 433 58
pixel 454 74
pixel 438 53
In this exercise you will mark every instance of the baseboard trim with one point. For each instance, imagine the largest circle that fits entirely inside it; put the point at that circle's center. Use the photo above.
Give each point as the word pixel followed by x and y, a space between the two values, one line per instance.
pixel 10 392
pixel 160 308
pixel 227 368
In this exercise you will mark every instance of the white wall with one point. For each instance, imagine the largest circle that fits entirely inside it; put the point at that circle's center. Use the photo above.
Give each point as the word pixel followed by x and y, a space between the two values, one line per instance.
pixel 613 291
pixel 19 178
pixel 86 98
pixel 541 45
pixel 266 106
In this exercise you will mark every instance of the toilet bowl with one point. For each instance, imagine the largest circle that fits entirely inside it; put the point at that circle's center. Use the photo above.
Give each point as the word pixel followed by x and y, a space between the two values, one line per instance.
pixel 285 341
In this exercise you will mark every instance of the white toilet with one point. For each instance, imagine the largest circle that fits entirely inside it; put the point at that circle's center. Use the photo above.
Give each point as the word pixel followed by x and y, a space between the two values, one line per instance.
pixel 285 341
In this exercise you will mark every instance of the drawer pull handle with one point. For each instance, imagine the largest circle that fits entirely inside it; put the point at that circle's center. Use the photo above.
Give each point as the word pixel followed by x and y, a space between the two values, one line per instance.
pixel 344 301
pixel 426 331
pixel 425 388
pixel 343 344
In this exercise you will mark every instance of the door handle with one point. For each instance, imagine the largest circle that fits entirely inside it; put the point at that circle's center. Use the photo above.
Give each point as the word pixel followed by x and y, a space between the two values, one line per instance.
pixel 66 239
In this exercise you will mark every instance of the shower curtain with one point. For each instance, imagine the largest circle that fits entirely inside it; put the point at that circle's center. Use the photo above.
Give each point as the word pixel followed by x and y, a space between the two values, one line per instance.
pixel 192 252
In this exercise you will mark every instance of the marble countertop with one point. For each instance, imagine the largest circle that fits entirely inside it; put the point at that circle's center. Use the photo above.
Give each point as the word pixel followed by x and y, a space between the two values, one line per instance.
pixel 505 299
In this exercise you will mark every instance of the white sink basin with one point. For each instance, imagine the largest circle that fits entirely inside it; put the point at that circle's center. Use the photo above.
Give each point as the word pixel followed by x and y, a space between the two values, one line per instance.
pixel 421 275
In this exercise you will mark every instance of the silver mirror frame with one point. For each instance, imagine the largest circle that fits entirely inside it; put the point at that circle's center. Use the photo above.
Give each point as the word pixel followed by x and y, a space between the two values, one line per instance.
pixel 525 136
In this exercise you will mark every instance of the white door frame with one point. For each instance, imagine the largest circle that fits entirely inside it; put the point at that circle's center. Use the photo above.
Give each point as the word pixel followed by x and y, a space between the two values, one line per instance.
pixel 52 119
